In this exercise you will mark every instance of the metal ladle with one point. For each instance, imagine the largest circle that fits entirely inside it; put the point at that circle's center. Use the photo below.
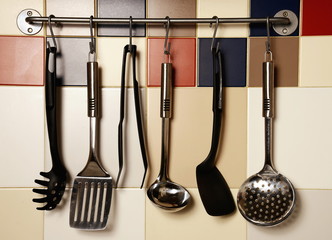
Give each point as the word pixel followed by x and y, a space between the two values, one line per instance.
pixel 163 192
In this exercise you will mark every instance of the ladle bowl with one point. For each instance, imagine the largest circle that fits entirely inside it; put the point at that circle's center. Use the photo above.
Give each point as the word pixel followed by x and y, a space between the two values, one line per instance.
pixel 168 195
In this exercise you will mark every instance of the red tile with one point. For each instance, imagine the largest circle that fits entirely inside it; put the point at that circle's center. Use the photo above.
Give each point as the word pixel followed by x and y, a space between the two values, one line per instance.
pixel 183 58
pixel 22 60
pixel 317 17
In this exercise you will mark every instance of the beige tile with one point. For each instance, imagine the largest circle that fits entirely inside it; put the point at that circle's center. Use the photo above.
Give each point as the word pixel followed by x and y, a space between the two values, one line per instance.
pixel 311 219
pixel 110 52
pixel 315 61
pixel 173 9
pixel 75 134
pixel 302 135
pixel 126 220
pixel 22 135
pixel 223 9
pixel 19 217
pixel 73 8
pixel 191 129
pixel 10 11
pixel 193 223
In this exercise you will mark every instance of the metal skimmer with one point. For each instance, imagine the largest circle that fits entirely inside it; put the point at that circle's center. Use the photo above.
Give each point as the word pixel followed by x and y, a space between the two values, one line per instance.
pixel 267 198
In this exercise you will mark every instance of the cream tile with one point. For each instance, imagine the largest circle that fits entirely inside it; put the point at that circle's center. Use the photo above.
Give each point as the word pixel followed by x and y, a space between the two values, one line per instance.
pixel 315 61
pixel 193 223
pixel 11 9
pixel 126 220
pixel 22 135
pixel 73 8
pixel 75 135
pixel 19 217
pixel 191 129
pixel 110 52
pixel 311 220
pixel 223 9
pixel 302 133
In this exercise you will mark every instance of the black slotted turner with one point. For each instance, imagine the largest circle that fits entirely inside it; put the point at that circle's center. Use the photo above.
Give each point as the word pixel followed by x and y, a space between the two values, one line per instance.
pixel 213 188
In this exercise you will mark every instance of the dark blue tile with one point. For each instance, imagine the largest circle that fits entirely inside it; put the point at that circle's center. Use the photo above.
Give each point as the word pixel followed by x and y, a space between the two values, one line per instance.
pixel 121 9
pixel 234 58
pixel 264 8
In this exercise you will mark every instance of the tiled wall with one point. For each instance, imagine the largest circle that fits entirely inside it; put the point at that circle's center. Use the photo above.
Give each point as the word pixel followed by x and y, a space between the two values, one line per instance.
pixel 302 142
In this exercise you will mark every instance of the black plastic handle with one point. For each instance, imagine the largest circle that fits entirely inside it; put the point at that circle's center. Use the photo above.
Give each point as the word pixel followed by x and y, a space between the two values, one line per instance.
pixel 217 106
pixel 138 112
pixel 50 98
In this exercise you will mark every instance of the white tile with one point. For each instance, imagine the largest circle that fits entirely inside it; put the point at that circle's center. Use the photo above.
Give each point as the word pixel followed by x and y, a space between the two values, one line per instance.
pixel 193 223
pixel 10 11
pixel 110 52
pixel 315 61
pixel 73 8
pixel 75 134
pixel 302 135
pixel 126 219
pixel 310 220
pixel 19 217
pixel 223 9
pixel 21 135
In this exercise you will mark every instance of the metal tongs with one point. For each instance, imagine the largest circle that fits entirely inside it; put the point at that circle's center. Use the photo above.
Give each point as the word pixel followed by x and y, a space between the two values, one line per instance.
pixel 130 48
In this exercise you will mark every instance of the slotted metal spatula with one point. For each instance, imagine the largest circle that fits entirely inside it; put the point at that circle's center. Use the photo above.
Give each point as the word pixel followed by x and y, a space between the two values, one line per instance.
pixel 92 190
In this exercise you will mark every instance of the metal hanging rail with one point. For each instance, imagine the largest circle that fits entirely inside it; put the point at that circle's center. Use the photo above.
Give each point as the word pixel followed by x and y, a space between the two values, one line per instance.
pixel 30 22
pixel 273 20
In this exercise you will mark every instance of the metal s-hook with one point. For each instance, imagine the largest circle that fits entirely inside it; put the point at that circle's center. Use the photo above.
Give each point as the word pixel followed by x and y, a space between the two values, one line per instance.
pixel 167 45
pixel 130 32
pixel 268 40
pixel 92 42
pixel 52 34
pixel 215 32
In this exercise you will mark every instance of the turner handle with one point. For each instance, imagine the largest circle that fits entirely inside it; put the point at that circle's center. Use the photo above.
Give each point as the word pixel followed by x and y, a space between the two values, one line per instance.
pixel 93 89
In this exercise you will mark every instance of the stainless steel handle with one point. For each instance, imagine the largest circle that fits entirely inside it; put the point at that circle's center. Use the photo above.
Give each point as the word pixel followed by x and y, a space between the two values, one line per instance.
pixel 268 89
pixel 166 90
pixel 93 89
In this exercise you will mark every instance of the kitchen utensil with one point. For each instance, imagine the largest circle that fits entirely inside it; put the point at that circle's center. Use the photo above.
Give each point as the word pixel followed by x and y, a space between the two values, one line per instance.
pixel 92 190
pixel 131 49
pixel 213 188
pixel 267 198
pixel 57 176
pixel 163 192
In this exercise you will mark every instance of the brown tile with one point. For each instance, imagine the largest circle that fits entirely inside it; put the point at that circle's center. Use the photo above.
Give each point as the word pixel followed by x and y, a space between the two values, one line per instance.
pixel 22 60
pixel 173 9
pixel 286 59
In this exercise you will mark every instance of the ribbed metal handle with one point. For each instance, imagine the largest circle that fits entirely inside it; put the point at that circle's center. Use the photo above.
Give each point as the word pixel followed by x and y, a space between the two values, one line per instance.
pixel 166 91
pixel 268 89
pixel 93 89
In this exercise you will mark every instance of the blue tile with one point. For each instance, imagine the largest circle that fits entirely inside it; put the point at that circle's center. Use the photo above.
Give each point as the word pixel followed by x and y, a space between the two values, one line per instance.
pixel 121 9
pixel 264 8
pixel 234 58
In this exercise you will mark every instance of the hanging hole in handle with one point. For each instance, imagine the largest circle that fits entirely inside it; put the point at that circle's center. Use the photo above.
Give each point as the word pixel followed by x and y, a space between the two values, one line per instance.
pixel 268 56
